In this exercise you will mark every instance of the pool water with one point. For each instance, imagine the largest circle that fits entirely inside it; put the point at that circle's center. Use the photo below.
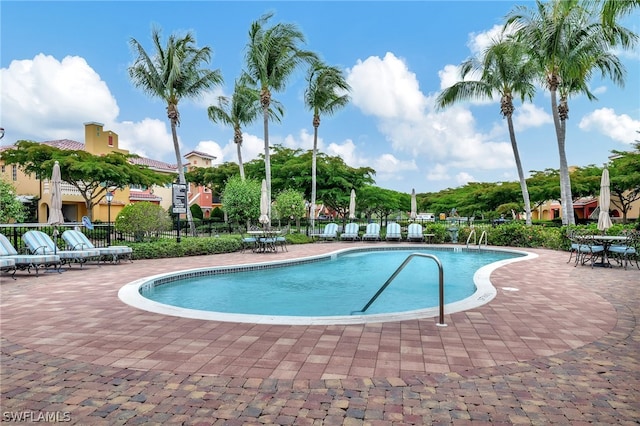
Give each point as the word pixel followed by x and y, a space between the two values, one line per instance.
pixel 331 287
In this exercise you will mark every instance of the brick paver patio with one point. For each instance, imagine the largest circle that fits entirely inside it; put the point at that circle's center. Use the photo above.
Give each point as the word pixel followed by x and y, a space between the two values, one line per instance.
pixel 558 345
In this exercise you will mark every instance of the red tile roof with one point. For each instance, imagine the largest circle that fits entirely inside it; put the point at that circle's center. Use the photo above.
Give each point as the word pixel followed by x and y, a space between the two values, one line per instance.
pixel 77 146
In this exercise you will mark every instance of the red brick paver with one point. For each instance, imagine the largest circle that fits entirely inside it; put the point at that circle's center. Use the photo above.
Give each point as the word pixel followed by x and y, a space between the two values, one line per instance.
pixel 558 344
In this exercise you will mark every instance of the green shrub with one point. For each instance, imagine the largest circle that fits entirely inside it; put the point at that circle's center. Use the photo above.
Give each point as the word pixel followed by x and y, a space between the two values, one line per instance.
pixel 188 246
pixel 143 220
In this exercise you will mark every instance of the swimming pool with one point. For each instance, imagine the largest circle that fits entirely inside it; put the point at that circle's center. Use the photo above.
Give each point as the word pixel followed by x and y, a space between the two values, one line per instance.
pixel 412 294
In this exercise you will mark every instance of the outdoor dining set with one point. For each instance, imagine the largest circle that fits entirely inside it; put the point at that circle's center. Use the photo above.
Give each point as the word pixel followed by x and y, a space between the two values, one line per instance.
pixel 600 250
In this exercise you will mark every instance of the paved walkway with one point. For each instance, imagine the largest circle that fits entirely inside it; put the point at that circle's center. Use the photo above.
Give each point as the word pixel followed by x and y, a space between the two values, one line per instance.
pixel 558 345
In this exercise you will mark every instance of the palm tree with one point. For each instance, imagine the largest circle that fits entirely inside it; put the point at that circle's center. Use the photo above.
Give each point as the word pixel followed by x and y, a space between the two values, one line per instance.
pixel 272 55
pixel 241 109
pixel 326 92
pixel 173 73
pixel 502 70
pixel 568 45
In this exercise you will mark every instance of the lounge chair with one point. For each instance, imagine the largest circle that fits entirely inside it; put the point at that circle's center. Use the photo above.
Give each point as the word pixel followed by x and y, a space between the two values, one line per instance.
pixel 40 243
pixel 372 233
pixel 26 261
pixel 393 232
pixel 415 232
pixel 351 231
pixel 330 232
pixel 76 240
pixel 8 265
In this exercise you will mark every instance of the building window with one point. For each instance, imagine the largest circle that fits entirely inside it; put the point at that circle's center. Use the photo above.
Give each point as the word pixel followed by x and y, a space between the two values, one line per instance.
pixel 3 168
pixel 110 140
pixel 14 172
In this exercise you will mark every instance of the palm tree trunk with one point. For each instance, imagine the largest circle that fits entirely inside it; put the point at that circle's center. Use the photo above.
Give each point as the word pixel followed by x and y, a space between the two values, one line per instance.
pixel 523 181
pixel 313 177
pixel 565 182
pixel 267 156
pixel 181 178
pixel 239 146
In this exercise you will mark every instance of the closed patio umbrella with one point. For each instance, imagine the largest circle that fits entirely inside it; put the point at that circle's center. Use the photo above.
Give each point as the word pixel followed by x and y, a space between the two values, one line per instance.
pixel 352 205
pixel 264 204
pixel 55 204
pixel 604 221
pixel 414 205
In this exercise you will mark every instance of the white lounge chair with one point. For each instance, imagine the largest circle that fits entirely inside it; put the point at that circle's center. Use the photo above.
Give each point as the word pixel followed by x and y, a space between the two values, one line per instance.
pixel 415 232
pixel 26 261
pixel 351 231
pixel 40 243
pixel 76 240
pixel 393 232
pixel 330 232
pixel 372 232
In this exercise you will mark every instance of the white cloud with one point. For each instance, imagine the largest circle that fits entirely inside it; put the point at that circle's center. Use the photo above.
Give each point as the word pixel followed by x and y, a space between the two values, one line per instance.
pixel 621 128
pixel 149 138
pixel 478 42
pixel 43 98
pixel 528 115
pixel 385 88
pixel 464 178
pixel 252 146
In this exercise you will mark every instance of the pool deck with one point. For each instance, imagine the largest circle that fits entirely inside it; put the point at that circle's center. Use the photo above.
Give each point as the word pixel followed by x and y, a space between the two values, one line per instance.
pixel 558 345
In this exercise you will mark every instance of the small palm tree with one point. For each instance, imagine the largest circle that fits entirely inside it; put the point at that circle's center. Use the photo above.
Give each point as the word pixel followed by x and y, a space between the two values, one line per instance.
pixel 241 109
pixel 173 72
pixel 567 43
pixel 272 55
pixel 326 92
pixel 502 70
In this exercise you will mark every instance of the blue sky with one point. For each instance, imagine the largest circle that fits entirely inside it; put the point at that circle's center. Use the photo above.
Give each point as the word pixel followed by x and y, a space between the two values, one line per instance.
pixel 65 63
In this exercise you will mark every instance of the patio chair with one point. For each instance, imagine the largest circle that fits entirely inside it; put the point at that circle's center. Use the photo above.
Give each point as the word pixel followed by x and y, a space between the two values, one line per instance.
pixel 393 232
pixel 372 233
pixel 588 250
pixel 250 239
pixel 40 243
pixel 26 261
pixel 281 238
pixel 351 231
pixel 330 232
pixel 76 240
pixel 415 232
pixel 629 252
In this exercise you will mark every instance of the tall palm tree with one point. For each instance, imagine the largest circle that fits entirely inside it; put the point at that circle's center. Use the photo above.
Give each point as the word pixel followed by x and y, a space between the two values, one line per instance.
pixel 503 70
pixel 241 109
pixel 272 55
pixel 326 92
pixel 171 73
pixel 568 43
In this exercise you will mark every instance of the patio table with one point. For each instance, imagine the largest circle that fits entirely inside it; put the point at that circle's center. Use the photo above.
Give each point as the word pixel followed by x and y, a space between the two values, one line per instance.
pixel 266 240
pixel 607 241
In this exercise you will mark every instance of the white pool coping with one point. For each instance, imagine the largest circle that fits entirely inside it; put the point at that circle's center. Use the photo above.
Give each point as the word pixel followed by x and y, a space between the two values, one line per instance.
pixel 485 292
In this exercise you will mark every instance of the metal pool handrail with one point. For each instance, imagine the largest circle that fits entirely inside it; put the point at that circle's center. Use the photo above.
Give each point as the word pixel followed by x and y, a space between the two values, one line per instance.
pixel 397 271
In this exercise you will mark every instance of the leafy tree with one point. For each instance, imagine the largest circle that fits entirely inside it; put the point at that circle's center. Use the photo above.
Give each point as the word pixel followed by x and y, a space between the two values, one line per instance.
pixel 326 92
pixel 624 172
pixel 213 178
pixel 11 209
pixel 241 199
pixel 290 206
pixel 272 55
pixel 504 70
pixel 173 72
pixel 143 220
pixel 196 211
pixel 92 175
pixel 568 44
